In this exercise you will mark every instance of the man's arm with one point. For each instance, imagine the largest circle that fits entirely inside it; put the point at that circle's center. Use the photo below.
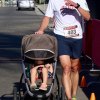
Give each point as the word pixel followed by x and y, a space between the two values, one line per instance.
pixel 83 12
pixel 43 25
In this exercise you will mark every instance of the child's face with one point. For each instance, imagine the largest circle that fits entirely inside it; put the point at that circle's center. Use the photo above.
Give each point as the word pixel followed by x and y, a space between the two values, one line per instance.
pixel 39 62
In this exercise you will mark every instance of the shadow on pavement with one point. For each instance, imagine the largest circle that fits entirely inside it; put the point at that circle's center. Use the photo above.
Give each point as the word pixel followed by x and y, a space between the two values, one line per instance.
pixel 6 97
pixel 10 47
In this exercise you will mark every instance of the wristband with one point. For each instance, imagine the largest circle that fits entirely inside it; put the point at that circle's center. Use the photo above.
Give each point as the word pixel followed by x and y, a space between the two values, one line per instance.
pixel 78 5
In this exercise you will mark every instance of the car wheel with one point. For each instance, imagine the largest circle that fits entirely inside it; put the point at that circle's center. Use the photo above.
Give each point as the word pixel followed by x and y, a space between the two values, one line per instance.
pixel 34 9
pixel 19 8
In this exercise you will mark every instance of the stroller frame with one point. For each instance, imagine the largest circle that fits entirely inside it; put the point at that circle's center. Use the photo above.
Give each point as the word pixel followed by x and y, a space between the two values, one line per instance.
pixel 22 90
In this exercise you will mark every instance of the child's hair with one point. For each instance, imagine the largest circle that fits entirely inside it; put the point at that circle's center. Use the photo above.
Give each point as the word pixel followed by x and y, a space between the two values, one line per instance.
pixel 39 62
pixel 43 62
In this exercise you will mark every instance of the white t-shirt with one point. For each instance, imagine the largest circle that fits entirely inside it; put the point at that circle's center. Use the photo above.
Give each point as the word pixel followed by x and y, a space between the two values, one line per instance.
pixel 68 22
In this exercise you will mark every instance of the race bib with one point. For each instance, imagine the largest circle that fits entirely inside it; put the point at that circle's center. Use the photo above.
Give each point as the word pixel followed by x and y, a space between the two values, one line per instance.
pixel 70 31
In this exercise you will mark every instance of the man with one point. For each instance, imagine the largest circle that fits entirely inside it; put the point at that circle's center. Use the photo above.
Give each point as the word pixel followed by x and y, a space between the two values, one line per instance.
pixel 68 29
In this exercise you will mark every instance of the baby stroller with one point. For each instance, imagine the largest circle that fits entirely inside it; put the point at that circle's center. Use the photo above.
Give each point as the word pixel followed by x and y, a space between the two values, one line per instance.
pixel 37 47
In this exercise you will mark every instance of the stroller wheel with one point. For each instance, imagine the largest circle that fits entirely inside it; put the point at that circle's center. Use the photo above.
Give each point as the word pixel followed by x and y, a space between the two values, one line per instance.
pixel 15 93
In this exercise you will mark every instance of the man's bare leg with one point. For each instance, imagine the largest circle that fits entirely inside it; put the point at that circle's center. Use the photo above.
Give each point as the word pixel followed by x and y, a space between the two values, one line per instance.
pixel 66 77
pixel 74 76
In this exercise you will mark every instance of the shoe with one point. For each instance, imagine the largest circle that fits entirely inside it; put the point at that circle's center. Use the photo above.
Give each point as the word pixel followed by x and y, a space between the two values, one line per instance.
pixel 33 87
pixel 43 87
pixel 74 98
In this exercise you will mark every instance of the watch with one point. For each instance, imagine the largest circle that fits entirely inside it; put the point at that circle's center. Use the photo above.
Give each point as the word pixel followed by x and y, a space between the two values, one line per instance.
pixel 78 5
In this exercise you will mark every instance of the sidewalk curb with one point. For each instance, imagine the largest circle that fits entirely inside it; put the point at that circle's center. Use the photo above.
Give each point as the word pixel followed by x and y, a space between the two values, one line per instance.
pixel 40 10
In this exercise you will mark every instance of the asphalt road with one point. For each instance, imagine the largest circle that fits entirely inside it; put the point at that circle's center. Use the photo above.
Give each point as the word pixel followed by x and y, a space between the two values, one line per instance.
pixel 13 26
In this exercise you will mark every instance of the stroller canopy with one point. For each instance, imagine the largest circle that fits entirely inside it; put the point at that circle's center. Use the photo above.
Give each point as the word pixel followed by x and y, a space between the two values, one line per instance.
pixel 39 47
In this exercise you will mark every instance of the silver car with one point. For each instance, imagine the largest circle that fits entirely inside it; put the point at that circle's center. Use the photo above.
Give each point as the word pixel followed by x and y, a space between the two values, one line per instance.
pixel 25 4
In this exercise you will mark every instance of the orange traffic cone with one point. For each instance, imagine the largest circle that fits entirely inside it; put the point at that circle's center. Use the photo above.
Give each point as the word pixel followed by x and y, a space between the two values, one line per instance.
pixel 92 97
pixel 83 82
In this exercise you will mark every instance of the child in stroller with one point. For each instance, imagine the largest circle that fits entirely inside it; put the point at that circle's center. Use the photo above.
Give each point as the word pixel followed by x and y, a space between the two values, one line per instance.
pixel 46 69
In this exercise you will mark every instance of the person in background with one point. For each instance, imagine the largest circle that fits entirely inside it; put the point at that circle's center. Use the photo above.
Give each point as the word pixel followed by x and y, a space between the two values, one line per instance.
pixel 68 16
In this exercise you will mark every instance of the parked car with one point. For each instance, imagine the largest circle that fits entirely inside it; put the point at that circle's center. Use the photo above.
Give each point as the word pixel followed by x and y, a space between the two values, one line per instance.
pixel 25 4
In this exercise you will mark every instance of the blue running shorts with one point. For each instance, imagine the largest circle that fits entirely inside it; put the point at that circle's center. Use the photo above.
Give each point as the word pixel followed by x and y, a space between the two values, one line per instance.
pixel 69 46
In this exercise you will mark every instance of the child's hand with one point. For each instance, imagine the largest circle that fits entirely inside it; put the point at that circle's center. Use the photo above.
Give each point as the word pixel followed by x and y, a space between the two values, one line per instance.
pixel 49 67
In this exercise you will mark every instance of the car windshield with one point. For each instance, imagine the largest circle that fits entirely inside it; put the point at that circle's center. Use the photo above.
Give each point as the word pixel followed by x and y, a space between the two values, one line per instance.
pixel 25 0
